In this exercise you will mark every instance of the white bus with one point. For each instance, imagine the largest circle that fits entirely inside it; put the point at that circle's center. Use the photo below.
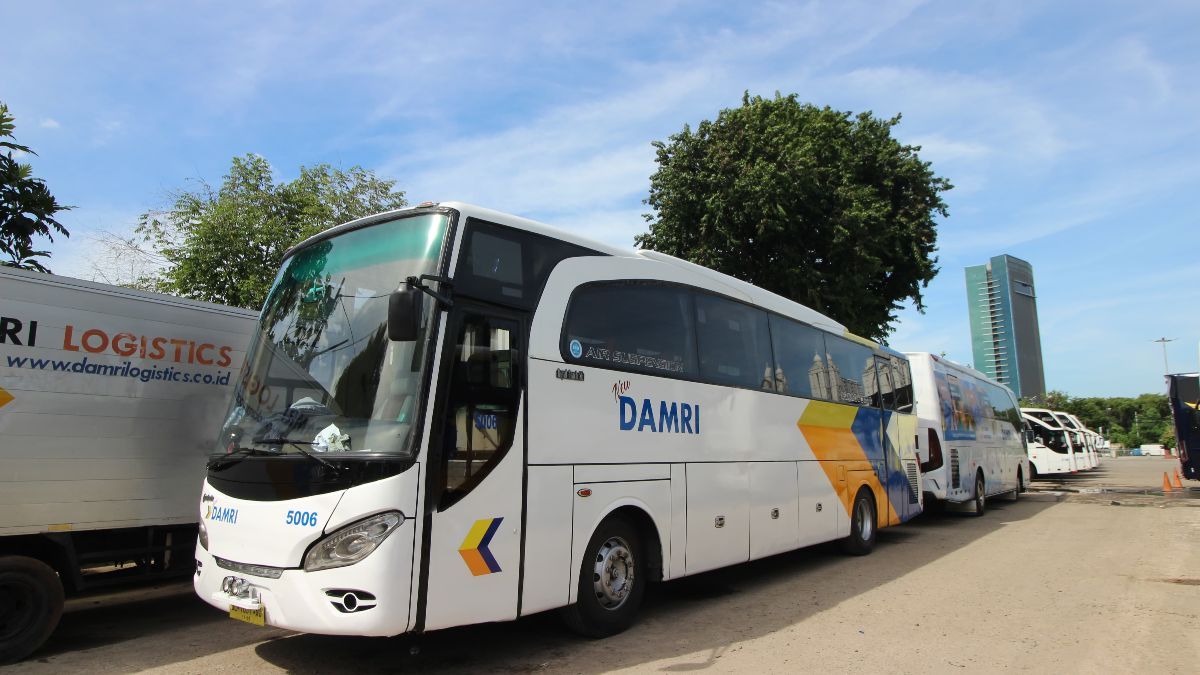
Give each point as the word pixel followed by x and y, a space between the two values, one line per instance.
pixel 970 440
pixel 532 421
pixel 1079 459
pixel 1049 449
pixel 1090 438
pixel 1078 438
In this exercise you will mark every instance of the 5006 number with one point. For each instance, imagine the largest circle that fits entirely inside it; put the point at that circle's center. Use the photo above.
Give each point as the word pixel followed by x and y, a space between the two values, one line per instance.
pixel 303 518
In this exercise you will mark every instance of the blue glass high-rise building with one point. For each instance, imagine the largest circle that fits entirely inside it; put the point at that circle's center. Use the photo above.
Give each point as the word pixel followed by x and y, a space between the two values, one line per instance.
pixel 1005 340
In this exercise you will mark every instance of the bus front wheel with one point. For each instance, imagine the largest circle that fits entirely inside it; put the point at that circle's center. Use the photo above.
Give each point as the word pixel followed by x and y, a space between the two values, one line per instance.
pixel 862 525
pixel 612 581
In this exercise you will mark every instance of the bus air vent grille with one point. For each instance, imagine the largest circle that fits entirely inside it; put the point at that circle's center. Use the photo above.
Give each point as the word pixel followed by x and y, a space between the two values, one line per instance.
pixel 954 477
pixel 911 469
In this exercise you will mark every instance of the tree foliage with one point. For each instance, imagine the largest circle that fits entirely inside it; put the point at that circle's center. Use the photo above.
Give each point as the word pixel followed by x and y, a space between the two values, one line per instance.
pixel 225 244
pixel 1128 421
pixel 27 209
pixel 818 205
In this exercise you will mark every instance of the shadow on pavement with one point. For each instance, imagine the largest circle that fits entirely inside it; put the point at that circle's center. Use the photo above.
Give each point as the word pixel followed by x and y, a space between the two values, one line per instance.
pixel 703 614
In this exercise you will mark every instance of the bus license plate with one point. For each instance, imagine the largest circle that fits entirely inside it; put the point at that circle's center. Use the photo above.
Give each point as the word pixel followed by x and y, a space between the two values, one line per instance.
pixel 258 617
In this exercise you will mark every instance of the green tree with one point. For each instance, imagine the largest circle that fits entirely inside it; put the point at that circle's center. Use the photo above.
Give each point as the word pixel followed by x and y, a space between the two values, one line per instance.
pixel 225 244
pixel 27 209
pixel 815 204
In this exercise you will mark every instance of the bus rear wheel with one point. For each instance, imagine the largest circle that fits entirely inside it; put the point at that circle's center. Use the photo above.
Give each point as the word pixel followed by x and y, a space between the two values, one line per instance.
pixel 31 603
pixel 980 496
pixel 612 581
pixel 1016 493
pixel 862 525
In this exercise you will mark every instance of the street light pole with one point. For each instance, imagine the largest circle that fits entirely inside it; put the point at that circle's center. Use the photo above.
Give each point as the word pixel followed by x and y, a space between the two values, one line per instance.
pixel 1164 341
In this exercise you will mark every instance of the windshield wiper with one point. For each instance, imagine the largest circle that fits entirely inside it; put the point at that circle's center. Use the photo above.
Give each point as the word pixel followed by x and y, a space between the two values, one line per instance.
pixel 225 461
pixel 307 453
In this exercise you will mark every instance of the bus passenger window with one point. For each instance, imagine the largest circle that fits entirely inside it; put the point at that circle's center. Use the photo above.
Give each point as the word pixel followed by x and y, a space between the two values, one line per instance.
pixel 643 327
pixel 851 371
pixel 902 381
pixel 801 368
pixel 885 397
pixel 734 343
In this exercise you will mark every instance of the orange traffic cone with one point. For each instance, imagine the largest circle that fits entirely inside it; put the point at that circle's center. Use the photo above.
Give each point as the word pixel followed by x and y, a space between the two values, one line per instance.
pixel 1166 483
pixel 1178 480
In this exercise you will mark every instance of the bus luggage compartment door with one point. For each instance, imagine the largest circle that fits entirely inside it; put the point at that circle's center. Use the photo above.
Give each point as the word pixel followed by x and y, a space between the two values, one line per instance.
pixel 718 515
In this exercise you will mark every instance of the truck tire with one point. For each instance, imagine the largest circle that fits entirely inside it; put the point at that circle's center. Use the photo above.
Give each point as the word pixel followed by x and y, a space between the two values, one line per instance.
pixel 31 603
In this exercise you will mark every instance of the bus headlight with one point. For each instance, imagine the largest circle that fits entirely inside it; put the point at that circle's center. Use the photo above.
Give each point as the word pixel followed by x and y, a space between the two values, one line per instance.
pixel 203 536
pixel 353 542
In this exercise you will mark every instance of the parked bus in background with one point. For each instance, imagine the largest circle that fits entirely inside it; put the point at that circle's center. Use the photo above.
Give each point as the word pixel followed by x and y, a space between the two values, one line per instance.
pixel 1074 447
pixel 1091 439
pixel 453 416
pixel 1184 394
pixel 1078 438
pixel 970 436
pixel 1049 451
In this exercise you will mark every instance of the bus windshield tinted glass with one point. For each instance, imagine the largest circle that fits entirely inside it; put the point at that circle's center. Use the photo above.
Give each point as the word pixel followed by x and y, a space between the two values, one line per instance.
pixel 321 372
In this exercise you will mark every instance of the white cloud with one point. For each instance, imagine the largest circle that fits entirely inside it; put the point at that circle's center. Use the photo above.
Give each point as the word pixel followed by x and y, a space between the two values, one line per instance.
pixel 49 123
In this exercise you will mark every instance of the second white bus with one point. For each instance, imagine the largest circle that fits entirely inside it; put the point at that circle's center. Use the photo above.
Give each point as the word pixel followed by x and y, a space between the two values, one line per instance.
pixel 1049 449
pixel 970 439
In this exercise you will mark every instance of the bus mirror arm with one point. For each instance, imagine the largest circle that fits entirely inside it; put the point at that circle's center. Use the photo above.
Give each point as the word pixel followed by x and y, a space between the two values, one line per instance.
pixel 443 299
pixel 404 306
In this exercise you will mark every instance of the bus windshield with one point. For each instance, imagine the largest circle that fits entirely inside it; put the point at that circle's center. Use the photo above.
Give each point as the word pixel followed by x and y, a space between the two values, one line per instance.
pixel 322 375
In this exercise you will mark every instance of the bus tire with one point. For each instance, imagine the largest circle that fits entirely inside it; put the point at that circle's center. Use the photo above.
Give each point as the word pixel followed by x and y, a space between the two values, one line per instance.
pixel 1016 493
pixel 31 603
pixel 980 497
pixel 863 524
pixel 612 581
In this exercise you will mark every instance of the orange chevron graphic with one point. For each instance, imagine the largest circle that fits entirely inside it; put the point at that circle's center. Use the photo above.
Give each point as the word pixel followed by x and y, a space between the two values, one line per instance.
pixel 474 549
pixel 828 428
pixel 5 397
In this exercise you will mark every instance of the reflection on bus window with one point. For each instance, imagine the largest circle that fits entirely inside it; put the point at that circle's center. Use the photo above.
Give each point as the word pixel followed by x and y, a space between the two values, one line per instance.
pixel 733 343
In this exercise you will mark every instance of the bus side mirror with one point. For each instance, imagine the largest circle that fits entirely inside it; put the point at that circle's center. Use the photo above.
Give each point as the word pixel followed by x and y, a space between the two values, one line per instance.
pixel 404 314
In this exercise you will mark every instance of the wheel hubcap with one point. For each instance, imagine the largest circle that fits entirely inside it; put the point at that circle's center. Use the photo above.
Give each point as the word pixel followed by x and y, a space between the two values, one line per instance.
pixel 866 526
pixel 613 574
pixel 15 609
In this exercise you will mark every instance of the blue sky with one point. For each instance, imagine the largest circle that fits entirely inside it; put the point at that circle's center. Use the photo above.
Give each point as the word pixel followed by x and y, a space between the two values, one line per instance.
pixel 1071 130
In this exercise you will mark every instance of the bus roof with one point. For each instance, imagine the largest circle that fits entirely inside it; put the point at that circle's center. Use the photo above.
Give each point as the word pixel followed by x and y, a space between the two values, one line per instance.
pixel 1040 421
pixel 759 296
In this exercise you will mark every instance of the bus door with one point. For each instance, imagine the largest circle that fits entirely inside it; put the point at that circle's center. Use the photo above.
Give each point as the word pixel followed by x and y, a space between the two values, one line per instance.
pixel 470 570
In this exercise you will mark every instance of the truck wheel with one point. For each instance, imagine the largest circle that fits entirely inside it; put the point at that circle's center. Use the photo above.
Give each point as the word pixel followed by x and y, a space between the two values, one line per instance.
pixel 31 603
pixel 612 581
pixel 862 525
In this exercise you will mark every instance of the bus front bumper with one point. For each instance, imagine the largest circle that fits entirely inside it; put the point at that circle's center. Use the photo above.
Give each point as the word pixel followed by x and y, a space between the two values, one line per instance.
pixel 370 597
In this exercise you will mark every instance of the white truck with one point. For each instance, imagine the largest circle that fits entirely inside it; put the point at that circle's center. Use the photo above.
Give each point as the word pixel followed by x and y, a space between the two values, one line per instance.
pixel 108 402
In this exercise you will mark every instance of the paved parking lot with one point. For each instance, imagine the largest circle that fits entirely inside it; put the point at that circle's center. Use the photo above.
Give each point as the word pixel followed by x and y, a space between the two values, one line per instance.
pixel 1096 572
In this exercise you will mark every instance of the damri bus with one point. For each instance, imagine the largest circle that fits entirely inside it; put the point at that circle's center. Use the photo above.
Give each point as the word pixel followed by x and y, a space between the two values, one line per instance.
pixel 1079 459
pixel 970 437
pixel 452 416
pixel 1078 437
pixel 1093 439
pixel 1049 449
